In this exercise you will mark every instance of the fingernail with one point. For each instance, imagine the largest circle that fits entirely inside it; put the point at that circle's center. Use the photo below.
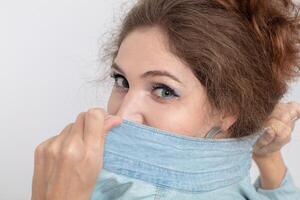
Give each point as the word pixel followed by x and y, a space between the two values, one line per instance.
pixel 108 117
pixel 295 119
pixel 269 135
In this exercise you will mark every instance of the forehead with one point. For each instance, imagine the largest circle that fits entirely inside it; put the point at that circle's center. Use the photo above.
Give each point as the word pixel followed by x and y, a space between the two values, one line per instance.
pixel 147 49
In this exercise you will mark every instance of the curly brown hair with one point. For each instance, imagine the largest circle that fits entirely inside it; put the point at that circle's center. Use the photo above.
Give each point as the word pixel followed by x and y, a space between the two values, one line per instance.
pixel 244 52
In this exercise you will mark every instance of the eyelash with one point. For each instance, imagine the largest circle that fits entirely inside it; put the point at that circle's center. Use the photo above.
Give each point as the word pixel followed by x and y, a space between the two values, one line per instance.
pixel 155 86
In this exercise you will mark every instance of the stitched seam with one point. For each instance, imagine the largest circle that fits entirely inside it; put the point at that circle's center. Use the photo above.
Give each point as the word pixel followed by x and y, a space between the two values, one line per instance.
pixel 157 194
pixel 120 157
pixel 184 188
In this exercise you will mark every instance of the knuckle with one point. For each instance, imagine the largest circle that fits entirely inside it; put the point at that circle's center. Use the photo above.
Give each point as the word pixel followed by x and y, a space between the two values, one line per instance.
pixel 280 117
pixel 285 117
pixel 69 153
pixel 269 120
pixel 48 144
pixel 69 125
pixel 285 134
pixel 66 129
pixel 96 113
pixel 53 150
pixel 39 151
pixel 66 153
pixel 82 114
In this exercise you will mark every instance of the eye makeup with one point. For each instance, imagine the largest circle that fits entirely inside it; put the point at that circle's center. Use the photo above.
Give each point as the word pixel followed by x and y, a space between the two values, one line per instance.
pixel 164 91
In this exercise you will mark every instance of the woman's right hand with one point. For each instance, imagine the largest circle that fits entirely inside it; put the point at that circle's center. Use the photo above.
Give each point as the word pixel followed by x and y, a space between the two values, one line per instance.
pixel 267 150
pixel 67 165
pixel 280 123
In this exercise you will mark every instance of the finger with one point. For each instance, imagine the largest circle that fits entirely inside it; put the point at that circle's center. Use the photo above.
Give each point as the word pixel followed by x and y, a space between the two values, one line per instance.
pixel 97 125
pixel 279 136
pixel 282 133
pixel 77 128
pixel 287 112
pixel 266 138
pixel 282 114
pixel 41 166
pixel 41 153
pixel 52 149
pixel 110 122
pixel 295 110
pixel 93 127
pixel 57 143
pixel 282 120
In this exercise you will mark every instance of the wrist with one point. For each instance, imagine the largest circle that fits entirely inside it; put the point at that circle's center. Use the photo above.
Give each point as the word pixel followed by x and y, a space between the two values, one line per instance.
pixel 266 158
pixel 272 169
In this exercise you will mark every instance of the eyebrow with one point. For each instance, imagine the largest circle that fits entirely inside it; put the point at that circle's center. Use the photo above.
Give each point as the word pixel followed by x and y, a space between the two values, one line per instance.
pixel 148 73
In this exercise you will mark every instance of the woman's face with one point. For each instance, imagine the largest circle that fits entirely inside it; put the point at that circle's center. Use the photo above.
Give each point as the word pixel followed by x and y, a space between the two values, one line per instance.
pixel 155 88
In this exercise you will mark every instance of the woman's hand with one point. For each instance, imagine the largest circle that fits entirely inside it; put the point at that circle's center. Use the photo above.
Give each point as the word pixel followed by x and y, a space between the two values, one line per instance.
pixel 67 165
pixel 280 125
pixel 266 153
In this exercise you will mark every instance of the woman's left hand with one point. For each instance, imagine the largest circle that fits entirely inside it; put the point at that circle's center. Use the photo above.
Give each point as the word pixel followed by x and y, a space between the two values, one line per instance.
pixel 67 165
pixel 280 125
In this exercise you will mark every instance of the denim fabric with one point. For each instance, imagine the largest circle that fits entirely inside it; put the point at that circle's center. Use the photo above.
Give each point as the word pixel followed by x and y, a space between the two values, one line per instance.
pixel 143 162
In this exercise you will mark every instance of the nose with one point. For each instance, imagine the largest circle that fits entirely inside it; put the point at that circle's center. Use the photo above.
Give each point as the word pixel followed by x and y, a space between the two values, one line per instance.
pixel 132 107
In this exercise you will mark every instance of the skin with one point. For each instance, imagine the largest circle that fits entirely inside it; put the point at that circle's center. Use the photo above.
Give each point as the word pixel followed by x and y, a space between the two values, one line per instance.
pixel 267 154
pixel 77 147
pixel 66 166
pixel 189 114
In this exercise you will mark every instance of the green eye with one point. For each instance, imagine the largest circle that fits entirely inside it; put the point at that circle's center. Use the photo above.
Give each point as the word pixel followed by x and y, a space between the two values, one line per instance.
pixel 164 91
pixel 120 81
pixel 161 91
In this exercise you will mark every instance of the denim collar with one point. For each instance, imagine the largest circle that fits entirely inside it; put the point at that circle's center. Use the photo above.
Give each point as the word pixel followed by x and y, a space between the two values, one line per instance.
pixel 176 161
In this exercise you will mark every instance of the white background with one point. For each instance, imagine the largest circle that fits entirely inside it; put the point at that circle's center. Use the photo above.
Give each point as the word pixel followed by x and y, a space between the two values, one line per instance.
pixel 48 53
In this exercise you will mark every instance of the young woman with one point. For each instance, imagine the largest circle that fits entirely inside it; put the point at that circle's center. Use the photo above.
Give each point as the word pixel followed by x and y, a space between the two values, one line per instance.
pixel 192 68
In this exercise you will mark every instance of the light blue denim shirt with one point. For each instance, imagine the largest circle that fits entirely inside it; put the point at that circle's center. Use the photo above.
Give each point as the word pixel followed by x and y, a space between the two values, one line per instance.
pixel 143 162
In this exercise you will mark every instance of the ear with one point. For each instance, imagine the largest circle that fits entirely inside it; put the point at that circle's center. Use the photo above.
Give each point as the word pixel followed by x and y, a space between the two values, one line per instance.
pixel 227 121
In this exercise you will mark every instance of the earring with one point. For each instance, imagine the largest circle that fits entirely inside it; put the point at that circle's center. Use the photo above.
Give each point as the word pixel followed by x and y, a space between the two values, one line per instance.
pixel 213 132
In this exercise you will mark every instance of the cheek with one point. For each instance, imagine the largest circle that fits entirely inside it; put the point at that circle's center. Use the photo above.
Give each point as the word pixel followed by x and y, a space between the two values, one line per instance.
pixel 188 118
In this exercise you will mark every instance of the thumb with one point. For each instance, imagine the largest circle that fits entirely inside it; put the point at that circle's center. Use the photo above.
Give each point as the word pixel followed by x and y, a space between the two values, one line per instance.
pixel 110 122
pixel 266 138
